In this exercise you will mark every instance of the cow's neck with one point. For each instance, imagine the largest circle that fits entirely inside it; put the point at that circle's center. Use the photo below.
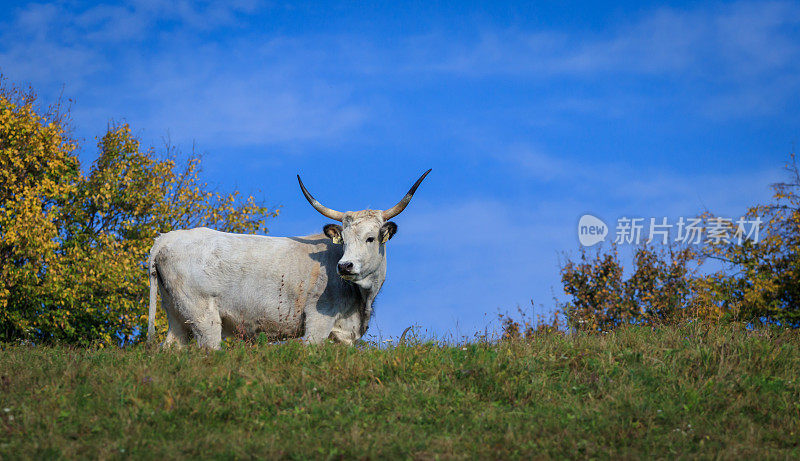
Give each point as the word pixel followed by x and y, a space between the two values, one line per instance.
pixel 368 288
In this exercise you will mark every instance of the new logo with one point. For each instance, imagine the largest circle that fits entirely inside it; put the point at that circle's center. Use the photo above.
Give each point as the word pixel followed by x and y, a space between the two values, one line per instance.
pixel 591 230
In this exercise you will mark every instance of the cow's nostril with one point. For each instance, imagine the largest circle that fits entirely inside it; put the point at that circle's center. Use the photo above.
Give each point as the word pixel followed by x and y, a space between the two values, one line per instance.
pixel 346 267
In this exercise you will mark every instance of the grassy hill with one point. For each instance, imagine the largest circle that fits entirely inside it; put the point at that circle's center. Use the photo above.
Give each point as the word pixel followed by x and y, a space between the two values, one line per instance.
pixel 690 391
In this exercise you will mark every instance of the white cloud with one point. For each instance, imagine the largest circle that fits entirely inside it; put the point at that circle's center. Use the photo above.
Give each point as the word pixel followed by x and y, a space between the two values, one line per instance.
pixel 216 104
pixel 636 189
pixel 726 61
pixel 746 38
pixel 241 91
pixel 735 60
pixel 536 163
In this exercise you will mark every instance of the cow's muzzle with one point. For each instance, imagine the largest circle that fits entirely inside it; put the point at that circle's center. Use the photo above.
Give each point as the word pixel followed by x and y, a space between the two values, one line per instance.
pixel 345 269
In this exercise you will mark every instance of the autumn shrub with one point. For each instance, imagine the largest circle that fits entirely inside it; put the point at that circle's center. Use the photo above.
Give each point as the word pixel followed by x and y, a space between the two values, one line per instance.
pixel 73 242
pixel 526 325
pixel 660 289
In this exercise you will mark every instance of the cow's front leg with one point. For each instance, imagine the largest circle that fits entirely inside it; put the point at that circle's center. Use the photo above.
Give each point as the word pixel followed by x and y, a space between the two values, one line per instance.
pixel 344 336
pixel 318 327
pixel 347 330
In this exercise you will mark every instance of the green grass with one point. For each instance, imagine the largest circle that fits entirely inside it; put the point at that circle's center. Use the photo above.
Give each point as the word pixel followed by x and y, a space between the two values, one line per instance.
pixel 690 391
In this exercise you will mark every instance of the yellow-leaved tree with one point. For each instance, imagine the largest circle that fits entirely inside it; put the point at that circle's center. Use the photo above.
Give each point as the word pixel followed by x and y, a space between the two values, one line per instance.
pixel 761 255
pixel 73 244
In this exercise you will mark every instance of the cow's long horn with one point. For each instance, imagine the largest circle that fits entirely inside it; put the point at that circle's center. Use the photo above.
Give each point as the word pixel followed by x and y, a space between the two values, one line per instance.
pixel 402 204
pixel 325 211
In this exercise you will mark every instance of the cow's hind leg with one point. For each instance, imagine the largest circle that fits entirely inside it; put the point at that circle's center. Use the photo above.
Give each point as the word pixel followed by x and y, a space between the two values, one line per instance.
pixel 177 334
pixel 208 327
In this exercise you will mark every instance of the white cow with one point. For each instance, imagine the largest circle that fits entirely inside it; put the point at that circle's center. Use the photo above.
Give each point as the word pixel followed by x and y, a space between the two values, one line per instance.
pixel 215 284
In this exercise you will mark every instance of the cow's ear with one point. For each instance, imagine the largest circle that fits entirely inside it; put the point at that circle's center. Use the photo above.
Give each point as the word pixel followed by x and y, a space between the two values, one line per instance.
pixel 387 231
pixel 334 232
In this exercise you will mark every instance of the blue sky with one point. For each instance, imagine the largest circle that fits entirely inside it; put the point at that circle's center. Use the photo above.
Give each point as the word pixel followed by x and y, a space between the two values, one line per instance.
pixel 529 114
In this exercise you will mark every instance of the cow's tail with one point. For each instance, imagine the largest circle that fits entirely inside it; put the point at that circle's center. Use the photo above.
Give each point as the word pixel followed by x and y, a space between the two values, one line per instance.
pixel 152 271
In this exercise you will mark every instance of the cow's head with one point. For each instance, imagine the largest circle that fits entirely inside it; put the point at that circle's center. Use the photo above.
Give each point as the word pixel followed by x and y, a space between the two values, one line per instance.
pixel 363 234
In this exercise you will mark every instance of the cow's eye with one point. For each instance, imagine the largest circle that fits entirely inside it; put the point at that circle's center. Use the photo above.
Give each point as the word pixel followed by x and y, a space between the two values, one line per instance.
pixel 370 239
